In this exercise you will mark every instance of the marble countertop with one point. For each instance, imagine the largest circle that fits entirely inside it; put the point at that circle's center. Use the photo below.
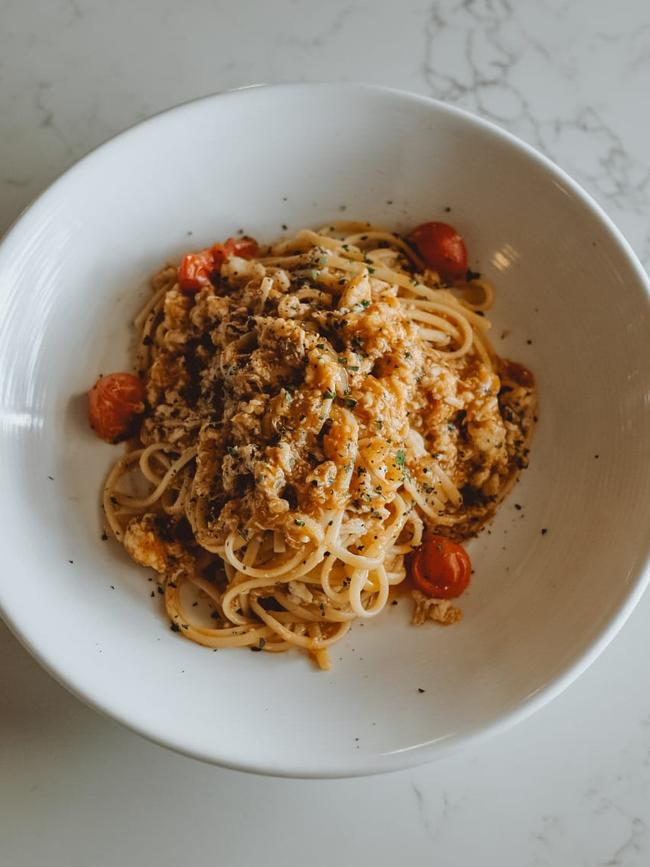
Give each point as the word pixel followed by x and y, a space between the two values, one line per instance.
pixel 570 786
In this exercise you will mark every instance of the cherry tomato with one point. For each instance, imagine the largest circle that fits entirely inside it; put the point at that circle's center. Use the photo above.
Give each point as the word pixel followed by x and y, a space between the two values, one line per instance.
pixel 442 249
pixel 518 373
pixel 441 568
pixel 196 269
pixel 245 248
pixel 114 401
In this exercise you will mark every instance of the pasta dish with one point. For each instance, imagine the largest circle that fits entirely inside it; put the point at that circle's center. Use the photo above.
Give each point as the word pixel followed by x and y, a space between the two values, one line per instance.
pixel 310 425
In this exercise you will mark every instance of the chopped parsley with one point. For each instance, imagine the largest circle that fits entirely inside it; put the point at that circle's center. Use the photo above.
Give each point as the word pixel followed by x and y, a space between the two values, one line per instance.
pixel 350 402
pixel 365 303
pixel 329 395
pixel 400 458
pixel 299 523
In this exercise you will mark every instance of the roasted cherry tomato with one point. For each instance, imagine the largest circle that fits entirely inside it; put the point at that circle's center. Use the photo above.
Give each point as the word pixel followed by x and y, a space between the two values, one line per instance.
pixel 442 249
pixel 114 401
pixel 196 269
pixel 440 568
pixel 518 373
pixel 245 247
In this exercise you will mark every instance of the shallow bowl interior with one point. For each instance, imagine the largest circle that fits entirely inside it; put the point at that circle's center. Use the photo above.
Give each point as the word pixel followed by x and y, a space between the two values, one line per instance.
pixel 572 303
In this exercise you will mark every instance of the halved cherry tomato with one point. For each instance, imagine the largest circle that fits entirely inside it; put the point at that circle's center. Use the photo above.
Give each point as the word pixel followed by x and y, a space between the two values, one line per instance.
pixel 196 269
pixel 518 373
pixel 114 401
pixel 441 568
pixel 442 249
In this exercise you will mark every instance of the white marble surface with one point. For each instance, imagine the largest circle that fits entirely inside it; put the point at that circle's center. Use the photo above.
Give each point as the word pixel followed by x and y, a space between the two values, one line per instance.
pixel 570 786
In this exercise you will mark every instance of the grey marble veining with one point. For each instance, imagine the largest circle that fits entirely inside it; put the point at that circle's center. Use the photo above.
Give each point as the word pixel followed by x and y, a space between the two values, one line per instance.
pixel 571 786
pixel 558 75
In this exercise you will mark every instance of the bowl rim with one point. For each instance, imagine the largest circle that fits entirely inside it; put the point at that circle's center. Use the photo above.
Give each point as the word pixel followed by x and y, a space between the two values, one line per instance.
pixel 381 762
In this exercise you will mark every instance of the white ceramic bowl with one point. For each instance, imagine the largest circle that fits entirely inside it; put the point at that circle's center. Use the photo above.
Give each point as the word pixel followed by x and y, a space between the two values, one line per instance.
pixel 574 301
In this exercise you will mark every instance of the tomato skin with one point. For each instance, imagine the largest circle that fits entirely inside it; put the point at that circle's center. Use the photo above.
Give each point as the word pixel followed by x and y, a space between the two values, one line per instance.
pixel 519 374
pixel 441 568
pixel 196 269
pixel 114 402
pixel 245 247
pixel 442 249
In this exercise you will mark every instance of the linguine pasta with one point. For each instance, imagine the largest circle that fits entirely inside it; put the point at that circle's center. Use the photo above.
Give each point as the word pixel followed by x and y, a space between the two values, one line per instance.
pixel 310 415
